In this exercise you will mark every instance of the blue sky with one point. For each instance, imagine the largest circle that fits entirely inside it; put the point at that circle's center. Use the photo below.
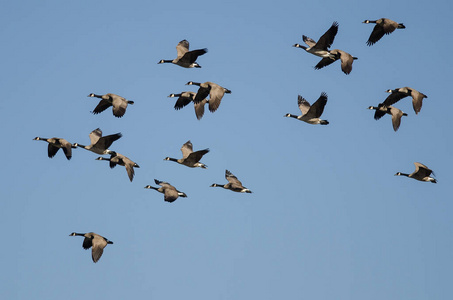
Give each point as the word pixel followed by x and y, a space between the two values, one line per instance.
pixel 327 218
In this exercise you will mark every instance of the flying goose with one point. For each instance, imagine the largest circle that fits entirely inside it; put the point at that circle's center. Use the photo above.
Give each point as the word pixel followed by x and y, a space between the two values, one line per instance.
pixel 398 94
pixel 311 114
pixel 325 41
pixel 189 158
pixel 212 89
pixel 55 144
pixel 169 191
pixel 94 241
pixel 100 144
pixel 421 173
pixel 396 114
pixel 233 184
pixel 118 103
pixel 346 60
pixel 185 98
pixel 383 26
pixel 119 159
pixel 185 58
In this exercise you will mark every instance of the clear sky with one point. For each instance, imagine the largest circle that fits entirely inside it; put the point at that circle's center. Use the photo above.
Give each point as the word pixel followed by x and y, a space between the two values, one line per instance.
pixel 327 220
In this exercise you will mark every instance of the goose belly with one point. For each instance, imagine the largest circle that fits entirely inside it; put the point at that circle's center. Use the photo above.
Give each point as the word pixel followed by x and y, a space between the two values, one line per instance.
pixel 320 53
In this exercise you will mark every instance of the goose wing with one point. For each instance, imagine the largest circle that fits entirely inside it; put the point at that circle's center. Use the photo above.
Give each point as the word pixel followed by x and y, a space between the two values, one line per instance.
pixel 99 244
pixel 317 108
pixel 52 150
pixel 191 56
pixel 382 27
pixel 215 96
pixel 184 99
pixel 106 141
pixel 170 193
pixel 325 62
pixel 417 99
pixel 309 41
pixel 199 108
pixel 326 40
pixel 381 110
pixel 182 48
pixel 67 148
pixel 186 149
pixel 129 164
pixel 421 169
pixel 95 135
pixel 304 105
pixel 394 97
pixel 102 105
pixel 346 61
pixel 119 106
pixel 396 117
pixel 232 179
pixel 87 243
pixel 195 157
pixel 203 92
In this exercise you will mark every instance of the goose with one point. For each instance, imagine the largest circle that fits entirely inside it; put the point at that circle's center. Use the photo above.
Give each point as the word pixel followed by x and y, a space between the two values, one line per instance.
pixel 421 173
pixel 118 103
pixel 325 41
pixel 383 26
pixel 396 114
pixel 55 144
pixel 215 92
pixel 400 93
pixel 311 114
pixel 99 144
pixel 94 241
pixel 233 184
pixel 169 191
pixel 119 159
pixel 346 60
pixel 189 158
pixel 185 98
pixel 186 58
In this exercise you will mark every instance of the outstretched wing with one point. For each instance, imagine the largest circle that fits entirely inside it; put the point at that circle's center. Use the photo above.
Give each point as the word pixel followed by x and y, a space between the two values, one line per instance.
pixel 326 40
pixel 186 149
pixel 304 105
pixel 317 108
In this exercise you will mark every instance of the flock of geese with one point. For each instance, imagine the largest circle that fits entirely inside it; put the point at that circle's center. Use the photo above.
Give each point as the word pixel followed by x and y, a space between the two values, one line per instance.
pixel 311 114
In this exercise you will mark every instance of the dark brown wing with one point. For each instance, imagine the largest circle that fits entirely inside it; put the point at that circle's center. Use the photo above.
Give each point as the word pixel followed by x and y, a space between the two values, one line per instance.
pixel 202 93
pixel 324 62
pixel 106 141
pixel 326 40
pixel 380 111
pixel 87 243
pixel 183 100
pixel 421 169
pixel 103 105
pixel 394 97
pixel 191 56
pixel 195 157
pixel 377 33
pixel 52 150
pixel 317 108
